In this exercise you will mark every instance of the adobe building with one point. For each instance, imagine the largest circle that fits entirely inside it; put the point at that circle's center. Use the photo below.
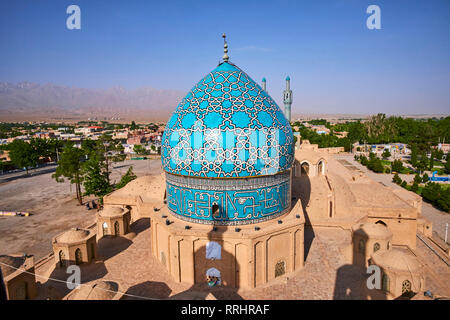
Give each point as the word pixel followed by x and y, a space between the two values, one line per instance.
pixel 402 273
pixel 113 220
pixel 75 246
pixel 369 238
pixel 18 276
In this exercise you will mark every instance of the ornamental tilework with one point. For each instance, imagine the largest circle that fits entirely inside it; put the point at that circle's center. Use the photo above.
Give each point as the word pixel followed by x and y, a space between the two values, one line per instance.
pixel 225 127
pixel 239 201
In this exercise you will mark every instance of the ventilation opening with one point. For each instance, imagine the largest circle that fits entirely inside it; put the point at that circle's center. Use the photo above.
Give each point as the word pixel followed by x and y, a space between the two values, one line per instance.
pixel 280 268
pixel 213 277
pixel 381 222
pixel 331 209
pixel 215 209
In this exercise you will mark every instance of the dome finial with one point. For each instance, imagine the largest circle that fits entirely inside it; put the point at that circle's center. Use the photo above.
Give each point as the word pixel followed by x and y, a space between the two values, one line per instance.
pixel 225 48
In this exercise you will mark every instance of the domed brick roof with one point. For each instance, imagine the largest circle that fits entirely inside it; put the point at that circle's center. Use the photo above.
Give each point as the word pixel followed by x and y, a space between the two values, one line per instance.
pixel 396 260
pixel 373 230
pixel 73 235
pixel 98 290
pixel 109 211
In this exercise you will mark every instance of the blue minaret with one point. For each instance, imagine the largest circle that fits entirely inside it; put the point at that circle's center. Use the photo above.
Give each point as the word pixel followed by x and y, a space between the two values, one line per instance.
pixel 264 84
pixel 287 99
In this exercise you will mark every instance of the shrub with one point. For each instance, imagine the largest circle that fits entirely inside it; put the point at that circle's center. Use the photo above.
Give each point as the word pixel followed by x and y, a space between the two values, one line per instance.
pixel 364 160
pixel 396 179
pixel 425 178
pixel 375 165
pixel 414 187
pixel 417 179
pixel 403 184
pixel 397 166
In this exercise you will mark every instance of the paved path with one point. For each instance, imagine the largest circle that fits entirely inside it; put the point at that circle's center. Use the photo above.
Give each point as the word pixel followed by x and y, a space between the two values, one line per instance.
pixel 437 217
pixel 31 173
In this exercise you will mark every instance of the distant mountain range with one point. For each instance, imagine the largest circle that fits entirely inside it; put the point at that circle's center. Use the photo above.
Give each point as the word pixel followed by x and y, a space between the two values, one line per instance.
pixel 50 101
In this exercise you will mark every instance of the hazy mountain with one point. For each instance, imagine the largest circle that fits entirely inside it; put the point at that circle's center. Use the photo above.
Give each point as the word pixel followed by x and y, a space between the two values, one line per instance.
pixel 50 100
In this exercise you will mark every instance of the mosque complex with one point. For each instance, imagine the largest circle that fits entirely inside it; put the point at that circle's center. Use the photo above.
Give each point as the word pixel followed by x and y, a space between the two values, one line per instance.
pixel 243 209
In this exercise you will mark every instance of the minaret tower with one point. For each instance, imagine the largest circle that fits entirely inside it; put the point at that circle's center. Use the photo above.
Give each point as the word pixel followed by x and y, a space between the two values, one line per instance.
pixel 287 98
pixel 264 84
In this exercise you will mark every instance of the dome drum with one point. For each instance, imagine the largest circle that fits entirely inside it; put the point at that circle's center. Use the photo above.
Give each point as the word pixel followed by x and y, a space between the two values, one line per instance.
pixel 238 201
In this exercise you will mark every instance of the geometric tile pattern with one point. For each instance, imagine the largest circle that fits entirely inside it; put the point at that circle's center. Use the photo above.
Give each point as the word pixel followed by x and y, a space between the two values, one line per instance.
pixel 227 127
pixel 238 201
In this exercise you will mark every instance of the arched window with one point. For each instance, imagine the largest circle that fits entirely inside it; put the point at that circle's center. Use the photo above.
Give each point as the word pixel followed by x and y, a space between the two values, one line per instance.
pixel 116 228
pixel 376 247
pixel 280 268
pixel 105 228
pixel 62 261
pixel 213 251
pixel 331 209
pixel 78 256
pixel 215 210
pixel 163 258
pixel 385 283
pixel 92 251
pixel 213 277
pixel 321 168
pixel 362 246
pixel 406 287
pixel 381 222
pixel 305 168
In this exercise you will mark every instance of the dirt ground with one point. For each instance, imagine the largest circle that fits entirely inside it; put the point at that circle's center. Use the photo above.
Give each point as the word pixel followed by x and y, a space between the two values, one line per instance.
pixel 53 206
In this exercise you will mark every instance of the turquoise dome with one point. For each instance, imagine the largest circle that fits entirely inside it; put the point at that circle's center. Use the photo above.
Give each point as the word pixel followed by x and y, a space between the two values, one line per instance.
pixel 227 127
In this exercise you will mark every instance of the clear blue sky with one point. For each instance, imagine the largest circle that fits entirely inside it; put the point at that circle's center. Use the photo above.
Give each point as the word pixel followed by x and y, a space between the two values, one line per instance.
pixel 336 64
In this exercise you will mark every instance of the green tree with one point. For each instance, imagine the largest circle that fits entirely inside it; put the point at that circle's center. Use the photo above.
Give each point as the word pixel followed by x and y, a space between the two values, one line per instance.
pixel 396 179
pixel 364 160
pixel 425 178
pixel 133 126
pixel 414 187
pixel 414 155
pixel 70 167
pixel 22 154
pixel 139 149
pixel 106 151
pixel 417 178
pixel 375 164
pixel 431 162
pixel 127 177
pixel 397 166
pixel 386 154
pixel 96 180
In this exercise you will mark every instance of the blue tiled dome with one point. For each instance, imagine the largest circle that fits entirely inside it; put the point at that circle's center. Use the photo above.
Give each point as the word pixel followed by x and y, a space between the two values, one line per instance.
pixel 226 127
